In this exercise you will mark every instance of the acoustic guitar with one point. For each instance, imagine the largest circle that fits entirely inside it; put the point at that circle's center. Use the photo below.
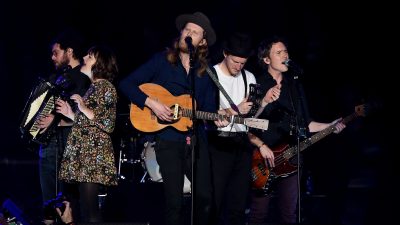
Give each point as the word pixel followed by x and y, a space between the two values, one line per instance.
pixel 263 176
pixel 145 120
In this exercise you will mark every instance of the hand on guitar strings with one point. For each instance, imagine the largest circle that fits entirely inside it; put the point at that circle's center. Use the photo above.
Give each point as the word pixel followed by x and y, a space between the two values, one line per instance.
pixel 339 126
pixel 221 123
pixel 268 155
pixel 162 111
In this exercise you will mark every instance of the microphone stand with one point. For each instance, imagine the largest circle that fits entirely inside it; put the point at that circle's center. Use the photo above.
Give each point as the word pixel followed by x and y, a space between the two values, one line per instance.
pixel 193 142
pixel 300 131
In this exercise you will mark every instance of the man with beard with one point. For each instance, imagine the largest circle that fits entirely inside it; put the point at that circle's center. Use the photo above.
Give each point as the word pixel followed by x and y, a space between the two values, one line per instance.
pixel 171 70
pixel 66 55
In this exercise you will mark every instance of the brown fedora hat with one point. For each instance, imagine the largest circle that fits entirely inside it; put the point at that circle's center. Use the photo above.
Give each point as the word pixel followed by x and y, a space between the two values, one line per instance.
pixel 239 44
pixel 199 19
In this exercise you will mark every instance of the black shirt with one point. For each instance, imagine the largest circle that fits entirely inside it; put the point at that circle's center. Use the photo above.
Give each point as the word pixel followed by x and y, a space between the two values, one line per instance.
pixel 283 113
pixel 73 81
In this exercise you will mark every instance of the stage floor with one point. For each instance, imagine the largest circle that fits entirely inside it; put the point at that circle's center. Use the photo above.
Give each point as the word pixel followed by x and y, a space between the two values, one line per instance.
pixel 135 202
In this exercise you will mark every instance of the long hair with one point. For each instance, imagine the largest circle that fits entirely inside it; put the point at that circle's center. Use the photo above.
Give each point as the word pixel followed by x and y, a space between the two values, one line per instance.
pixel 106 63
pixel 201 54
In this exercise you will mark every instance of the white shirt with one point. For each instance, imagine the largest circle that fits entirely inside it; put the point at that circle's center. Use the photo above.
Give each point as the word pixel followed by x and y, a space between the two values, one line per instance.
pixel 234 86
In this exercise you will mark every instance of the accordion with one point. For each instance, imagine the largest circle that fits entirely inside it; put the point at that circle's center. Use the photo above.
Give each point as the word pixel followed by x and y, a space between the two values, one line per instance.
pixel 41 102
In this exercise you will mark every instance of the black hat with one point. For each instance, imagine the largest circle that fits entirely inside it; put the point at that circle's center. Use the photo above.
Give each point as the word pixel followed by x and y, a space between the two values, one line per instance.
pixel 199 19
pixel 239 44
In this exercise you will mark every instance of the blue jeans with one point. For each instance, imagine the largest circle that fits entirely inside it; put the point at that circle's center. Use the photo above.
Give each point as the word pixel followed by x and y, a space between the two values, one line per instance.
pixel 49 163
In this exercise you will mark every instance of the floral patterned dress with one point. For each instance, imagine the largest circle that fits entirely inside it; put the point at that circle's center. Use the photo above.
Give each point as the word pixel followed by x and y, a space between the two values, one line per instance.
pixel 89 154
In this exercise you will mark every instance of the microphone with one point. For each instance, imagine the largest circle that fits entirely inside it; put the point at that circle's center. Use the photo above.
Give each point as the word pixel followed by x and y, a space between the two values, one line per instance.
pixel 289 63
pixel 189 44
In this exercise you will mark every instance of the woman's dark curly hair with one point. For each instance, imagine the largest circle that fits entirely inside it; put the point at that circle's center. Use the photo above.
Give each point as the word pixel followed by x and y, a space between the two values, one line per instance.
pixel 106 63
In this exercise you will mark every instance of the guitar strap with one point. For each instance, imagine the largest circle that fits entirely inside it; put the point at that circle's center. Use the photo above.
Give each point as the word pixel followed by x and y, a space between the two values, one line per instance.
pixel 214 77
pixel 245 82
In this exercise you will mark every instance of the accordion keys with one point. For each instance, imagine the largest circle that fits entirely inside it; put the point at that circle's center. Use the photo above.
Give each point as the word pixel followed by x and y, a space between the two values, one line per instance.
pixel 48 108
pixel 41 102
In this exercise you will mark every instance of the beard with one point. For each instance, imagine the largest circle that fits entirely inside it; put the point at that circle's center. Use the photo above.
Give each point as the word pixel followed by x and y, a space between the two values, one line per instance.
pixel 182 46
pixel 63 63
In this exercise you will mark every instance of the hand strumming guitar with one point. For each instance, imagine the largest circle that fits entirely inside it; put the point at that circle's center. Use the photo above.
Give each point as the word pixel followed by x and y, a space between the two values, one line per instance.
pixel 265 151
pixel 162 111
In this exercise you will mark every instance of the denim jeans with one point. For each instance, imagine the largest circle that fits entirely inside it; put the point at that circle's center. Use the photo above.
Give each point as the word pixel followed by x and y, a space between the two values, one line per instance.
pixel 49 161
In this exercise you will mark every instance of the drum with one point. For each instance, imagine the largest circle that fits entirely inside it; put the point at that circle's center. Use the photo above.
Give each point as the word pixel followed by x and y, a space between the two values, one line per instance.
pixel 153 169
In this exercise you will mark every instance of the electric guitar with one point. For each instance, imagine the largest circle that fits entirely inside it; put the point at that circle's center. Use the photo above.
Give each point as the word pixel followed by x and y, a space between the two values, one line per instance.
pixel 145 120
pixel 263 176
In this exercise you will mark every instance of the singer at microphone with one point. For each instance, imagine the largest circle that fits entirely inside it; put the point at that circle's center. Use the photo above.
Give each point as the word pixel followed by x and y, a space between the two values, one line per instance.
pixel 286 62
pixel 189 44
pixel 289 63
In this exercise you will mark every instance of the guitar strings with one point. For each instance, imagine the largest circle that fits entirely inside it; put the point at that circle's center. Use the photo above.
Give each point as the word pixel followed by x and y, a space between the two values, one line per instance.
pixel 278 160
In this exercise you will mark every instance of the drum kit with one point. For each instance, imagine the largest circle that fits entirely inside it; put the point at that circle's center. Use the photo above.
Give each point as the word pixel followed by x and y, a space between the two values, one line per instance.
pixel 137 161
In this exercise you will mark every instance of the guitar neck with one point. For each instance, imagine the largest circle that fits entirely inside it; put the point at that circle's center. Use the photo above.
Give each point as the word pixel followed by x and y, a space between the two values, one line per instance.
pixel 212 116
pixel 316 137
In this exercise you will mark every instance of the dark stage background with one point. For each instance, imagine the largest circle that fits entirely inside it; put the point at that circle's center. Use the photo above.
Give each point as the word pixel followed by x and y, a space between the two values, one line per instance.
pixel 344 51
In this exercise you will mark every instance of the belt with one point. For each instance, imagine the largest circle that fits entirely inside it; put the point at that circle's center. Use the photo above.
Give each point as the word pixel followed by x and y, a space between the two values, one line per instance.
pixel 231 134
